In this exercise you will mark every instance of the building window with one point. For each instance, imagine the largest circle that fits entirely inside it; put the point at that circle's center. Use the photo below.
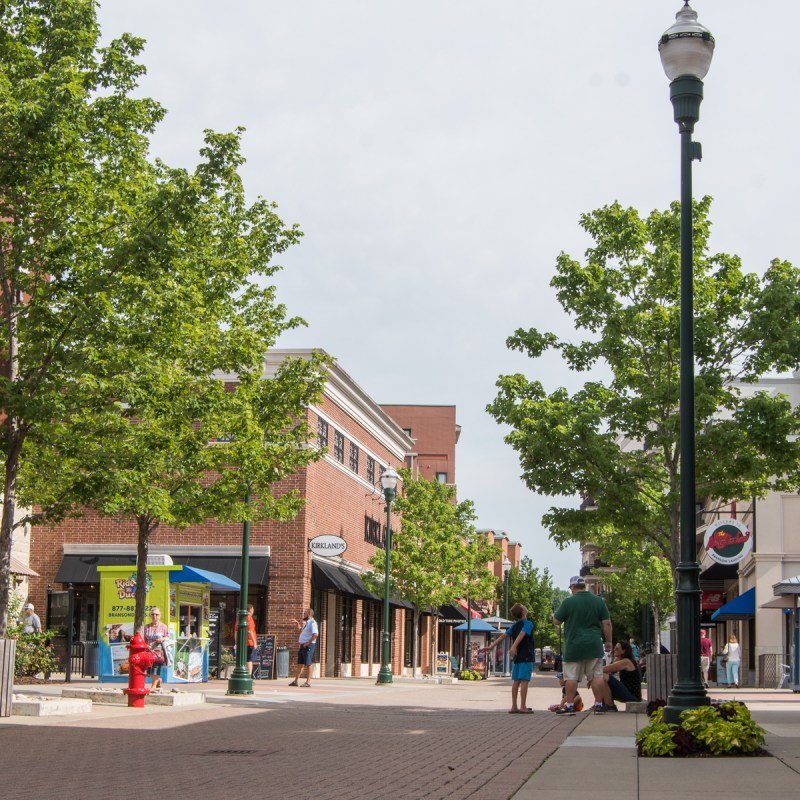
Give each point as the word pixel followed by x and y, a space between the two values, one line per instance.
pixel 373 533
pixel 346 641
pixel 377 633
pixel 354 457
pixel 408 638
pixel 322 433
pixel 370 469
pixel 441 477
pixel 338 446
pixel 407 432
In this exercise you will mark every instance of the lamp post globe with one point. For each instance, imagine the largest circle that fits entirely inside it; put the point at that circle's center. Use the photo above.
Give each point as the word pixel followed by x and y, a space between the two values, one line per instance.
pixel 389 480
pixel 686 50
pixel 506 574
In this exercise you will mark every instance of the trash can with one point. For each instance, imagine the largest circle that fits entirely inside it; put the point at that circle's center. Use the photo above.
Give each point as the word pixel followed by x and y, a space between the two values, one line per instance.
pixel 283 662
pixel 91 654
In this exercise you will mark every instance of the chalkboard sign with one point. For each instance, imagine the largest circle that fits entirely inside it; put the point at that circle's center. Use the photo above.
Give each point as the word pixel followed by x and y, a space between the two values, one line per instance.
pixel 264 656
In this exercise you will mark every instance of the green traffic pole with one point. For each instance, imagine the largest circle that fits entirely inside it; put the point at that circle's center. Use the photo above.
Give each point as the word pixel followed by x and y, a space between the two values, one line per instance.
pixel 385 674
pixel 241 681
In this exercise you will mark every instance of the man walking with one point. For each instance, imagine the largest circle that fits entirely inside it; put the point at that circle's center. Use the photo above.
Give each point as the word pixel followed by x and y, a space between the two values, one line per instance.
pixel 706 651
pixel 30 621
pixel 587 624
pixel 308 642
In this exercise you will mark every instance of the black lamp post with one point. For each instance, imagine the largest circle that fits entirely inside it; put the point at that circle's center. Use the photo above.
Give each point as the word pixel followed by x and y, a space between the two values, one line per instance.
pixel 686 50
pixel 389 484
pixel 241 681
pixel 506 574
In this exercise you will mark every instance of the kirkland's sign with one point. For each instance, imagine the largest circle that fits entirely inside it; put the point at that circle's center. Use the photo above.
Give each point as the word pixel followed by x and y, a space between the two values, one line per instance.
pixel 327 545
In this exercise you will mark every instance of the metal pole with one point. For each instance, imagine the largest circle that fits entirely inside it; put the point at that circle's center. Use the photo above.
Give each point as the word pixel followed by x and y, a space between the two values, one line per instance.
pixel 385 674
pixel 686 94
pixel 241 681
pixel 505 641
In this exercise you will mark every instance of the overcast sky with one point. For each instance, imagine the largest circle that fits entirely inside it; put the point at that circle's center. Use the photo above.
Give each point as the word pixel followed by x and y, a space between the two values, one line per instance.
pixel 438 154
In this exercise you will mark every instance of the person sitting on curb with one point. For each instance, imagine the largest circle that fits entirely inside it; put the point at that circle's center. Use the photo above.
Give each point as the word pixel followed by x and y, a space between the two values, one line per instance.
pixel 627 685
pixel 578 699
pixel 522 656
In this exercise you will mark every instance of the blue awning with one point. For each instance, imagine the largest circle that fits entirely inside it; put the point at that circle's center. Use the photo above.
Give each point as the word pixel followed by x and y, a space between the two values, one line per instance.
pixel 196 575
pixel 741 607
pixel 477 626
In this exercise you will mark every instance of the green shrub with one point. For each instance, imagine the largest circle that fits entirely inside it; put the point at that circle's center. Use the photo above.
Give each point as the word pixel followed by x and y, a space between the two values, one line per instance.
pixel 469 675
pixel 721 729
pixel 34 655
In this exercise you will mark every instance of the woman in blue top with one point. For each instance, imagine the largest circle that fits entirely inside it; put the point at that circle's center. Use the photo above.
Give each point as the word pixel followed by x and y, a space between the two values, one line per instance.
pixel 522 655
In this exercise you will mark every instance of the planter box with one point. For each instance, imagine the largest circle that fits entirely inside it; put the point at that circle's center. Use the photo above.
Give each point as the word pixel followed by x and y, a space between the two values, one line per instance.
pixel 8 648
pixel 662 673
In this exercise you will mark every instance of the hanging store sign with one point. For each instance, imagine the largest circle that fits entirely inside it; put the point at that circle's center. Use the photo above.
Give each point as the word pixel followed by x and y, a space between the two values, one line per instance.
pixel 712 599
pixel 327 545
pixel 728 541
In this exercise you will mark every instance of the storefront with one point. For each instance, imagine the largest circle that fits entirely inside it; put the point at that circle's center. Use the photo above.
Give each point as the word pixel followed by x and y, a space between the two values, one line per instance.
pixel 184 596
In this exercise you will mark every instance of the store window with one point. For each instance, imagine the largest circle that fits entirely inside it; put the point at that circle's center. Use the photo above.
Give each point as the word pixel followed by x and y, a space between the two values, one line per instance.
pixel 346 627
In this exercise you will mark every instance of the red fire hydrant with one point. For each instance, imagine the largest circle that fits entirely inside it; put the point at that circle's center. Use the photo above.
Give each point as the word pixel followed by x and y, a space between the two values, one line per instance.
pixel 140 660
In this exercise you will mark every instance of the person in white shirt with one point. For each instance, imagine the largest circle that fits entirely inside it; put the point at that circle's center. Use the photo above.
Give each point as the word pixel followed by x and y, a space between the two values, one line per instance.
pixel 308 642
pixel 733 654
pixel 30 621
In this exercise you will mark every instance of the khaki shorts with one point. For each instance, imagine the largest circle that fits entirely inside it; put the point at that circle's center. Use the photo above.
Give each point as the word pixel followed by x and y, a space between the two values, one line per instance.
pixel 589 669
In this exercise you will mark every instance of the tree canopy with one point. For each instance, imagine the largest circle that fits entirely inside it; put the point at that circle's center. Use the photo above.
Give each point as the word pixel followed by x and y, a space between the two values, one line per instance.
pixel 616 439
pixel 138 303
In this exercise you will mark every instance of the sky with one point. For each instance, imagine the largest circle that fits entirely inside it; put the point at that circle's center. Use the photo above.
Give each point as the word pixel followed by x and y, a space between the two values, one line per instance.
pixel 438 155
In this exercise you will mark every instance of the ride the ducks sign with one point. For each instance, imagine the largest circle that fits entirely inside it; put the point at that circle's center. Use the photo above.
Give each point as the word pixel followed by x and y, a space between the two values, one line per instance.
pixel 728 541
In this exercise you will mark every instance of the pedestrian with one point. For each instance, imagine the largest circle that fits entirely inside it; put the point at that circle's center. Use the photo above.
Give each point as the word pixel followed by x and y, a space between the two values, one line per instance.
pixel 635 649
pixel 578 702
pixel 522 656
pixel 733 654
pixel 706 652
pixel 308 642
pixel 622 678
pixel 252 639
pixel 29 620
pixel 155 635
pixel 587 624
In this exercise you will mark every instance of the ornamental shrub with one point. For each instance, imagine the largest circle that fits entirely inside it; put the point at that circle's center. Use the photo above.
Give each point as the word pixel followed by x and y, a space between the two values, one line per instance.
pixel 720 729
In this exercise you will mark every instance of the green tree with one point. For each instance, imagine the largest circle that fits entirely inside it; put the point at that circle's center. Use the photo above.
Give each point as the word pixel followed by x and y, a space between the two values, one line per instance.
pixel 437 556
pixel 130 291
pixel 617 439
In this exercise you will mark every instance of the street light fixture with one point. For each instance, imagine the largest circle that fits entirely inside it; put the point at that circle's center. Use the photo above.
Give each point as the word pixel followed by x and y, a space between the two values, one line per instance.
pixel 389 484
pixel 241 681
pixel 686 50
pixel 506 574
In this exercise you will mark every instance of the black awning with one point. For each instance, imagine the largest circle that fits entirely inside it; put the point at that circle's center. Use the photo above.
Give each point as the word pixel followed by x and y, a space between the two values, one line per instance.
pixel 83 568
pixel 333 578
pixel 452 615
pixel 229 566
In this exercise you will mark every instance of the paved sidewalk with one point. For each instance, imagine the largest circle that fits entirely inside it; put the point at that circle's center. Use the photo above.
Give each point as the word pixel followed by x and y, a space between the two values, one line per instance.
pixel 344 739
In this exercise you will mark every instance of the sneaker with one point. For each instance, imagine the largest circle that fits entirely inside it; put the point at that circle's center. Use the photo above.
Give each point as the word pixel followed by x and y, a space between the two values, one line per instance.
pixel 599 708
pixel 568 710
pixel 612 707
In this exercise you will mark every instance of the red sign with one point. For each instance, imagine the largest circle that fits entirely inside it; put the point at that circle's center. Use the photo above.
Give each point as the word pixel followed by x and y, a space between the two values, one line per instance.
pixel 712 599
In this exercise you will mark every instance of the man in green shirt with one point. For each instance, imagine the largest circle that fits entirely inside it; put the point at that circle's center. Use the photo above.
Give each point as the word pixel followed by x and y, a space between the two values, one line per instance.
pixel 587 624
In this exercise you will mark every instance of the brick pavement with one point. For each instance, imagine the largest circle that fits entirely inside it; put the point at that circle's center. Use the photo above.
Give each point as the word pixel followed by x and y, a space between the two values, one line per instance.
pixel 293 750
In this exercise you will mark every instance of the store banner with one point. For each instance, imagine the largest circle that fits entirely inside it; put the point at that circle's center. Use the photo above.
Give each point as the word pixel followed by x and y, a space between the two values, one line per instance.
pixel 728 541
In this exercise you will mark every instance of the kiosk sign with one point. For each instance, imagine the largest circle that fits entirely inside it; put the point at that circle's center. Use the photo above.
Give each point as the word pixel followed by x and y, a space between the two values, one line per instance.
pixel 728 541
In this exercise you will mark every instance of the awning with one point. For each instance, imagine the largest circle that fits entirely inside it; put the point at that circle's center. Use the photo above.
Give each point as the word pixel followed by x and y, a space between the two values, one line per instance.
pixel 782 601
pixel 477 626
pixel 788 586
pixel 452 615
pixel 16 567
pixel 741 607
pixel 328 577
pixel 83 568
pixel 194 575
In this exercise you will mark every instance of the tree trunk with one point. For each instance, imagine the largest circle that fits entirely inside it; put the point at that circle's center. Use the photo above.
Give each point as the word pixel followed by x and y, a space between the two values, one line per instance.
pixel 146 528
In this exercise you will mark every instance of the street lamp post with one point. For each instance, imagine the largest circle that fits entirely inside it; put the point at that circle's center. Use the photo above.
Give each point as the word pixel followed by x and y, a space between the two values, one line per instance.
pixel 506 574
pixel 389 485
pixel 686 50
pixel 241 681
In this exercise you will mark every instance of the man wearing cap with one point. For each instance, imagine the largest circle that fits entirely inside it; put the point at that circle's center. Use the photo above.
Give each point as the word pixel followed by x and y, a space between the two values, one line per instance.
pixel 30 622
pixel 587 625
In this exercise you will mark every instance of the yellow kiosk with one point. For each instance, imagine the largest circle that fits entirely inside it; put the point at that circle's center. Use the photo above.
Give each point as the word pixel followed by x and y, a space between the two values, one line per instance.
pixel 184 596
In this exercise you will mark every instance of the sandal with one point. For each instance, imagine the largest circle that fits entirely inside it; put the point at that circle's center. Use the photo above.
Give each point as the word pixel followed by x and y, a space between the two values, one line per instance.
pixel 293 683
pixel 305 685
